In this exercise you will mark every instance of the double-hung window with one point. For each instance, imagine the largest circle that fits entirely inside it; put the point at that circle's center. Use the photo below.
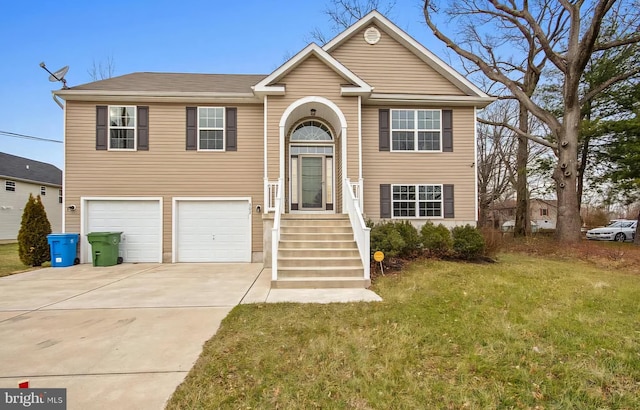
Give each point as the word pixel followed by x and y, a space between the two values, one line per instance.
pixel 417 201
pixel 416 130
pixel 10 186
pixel 43 190
pixel 60 195
pixel 122 128
pixel 211 128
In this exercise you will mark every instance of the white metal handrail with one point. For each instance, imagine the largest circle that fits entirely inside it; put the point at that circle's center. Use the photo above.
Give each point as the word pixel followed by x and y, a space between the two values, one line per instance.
pixel 275 232
pixel 361 233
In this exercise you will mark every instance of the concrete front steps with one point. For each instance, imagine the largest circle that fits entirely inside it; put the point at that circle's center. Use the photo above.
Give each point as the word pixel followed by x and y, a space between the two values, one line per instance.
pixel 317 251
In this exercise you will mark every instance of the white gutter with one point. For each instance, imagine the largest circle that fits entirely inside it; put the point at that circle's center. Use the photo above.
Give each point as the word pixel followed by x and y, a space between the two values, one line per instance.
pixel 160 96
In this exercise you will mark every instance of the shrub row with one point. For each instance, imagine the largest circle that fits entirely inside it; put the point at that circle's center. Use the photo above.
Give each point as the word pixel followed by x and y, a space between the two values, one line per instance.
pixel 402 240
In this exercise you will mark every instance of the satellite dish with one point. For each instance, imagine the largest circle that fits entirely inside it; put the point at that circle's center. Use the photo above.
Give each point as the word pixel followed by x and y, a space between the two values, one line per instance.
pixel 59 75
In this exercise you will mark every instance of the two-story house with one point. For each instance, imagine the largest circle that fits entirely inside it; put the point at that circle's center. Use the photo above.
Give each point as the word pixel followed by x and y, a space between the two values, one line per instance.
pixel 21 177
pixel 281 168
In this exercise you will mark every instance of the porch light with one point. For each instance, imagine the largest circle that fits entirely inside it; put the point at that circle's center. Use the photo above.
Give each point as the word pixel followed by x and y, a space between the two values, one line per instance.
pixel 313 112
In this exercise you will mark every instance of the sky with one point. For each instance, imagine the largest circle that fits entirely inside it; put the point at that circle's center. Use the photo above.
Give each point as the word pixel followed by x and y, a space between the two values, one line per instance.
pixel 219 37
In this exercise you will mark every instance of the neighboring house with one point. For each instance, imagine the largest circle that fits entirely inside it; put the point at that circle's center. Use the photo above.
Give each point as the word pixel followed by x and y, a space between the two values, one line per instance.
pixel 19 178
pixel 542 212
pixel 226 167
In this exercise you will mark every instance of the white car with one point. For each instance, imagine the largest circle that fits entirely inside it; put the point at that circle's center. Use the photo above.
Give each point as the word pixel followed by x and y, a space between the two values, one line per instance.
pixel 620 231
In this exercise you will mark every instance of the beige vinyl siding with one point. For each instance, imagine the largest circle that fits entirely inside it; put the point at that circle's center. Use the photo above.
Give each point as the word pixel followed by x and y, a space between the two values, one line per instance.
pixel 167 170
pixel 455 167
pixel 313 78
pixel 390 67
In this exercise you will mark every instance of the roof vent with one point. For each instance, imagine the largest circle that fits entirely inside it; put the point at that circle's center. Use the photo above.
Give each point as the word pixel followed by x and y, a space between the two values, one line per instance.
pixel 372 35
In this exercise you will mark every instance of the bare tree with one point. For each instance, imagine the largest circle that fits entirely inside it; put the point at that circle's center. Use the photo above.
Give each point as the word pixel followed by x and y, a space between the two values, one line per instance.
pixel 496 153
pixel 343 13
pixel 102 70
pixel 568 33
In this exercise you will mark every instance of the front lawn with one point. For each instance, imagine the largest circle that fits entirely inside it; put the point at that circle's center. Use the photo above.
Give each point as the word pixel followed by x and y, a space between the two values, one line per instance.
pixel 9 260
pixel 527 332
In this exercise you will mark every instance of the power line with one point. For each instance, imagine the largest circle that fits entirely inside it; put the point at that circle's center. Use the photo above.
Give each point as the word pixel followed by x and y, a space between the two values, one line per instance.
pixel 27 137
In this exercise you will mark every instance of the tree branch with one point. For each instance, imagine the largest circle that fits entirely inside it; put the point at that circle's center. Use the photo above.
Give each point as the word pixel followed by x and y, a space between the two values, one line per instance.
pixel 616 43
pixel 520 133
pixel 495 74
pixel 609 82
pixel 558 60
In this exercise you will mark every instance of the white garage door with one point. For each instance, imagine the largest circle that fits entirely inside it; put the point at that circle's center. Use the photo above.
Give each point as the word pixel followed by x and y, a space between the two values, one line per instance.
pixel 213 231
pixel 140 222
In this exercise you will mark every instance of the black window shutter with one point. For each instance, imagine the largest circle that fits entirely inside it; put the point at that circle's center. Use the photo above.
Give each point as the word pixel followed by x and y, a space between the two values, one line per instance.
pixel 143 128
pixel 102 127
pixel 448 201
pixel 231 129
pixel 385 201
pixel 383 128
pixel 447 130
pixel 192 128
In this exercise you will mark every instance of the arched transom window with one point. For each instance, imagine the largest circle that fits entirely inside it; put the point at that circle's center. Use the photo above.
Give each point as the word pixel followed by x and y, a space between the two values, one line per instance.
pixel 311 131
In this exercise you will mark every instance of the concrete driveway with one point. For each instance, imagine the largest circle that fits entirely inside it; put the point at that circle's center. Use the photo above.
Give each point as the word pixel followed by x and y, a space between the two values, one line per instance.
pixel 116 337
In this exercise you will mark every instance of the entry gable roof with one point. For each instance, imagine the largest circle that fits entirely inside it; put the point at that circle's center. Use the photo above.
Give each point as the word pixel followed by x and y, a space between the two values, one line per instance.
pixel 412 45
pixel 270 86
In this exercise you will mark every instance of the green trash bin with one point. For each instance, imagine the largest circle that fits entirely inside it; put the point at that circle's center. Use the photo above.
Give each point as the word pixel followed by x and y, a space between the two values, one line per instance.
pixel 105 248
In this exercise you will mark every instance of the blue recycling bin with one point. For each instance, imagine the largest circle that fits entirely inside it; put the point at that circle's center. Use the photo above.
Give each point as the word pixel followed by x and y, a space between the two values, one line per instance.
pixel 63 247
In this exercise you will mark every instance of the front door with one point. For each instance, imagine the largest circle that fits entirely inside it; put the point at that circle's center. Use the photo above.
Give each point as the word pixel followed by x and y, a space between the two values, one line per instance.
pixel 312 182
pixel 311 179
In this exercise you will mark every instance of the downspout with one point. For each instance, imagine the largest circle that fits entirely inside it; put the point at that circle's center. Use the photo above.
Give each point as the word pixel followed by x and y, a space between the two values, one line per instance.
pixel 475 158
pixel 267 199
pixel 360 178
pixel 55 98
pixel 64 167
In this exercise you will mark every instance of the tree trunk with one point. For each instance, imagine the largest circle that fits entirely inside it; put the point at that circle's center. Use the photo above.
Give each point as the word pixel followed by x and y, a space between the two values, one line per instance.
pixel 582 166
pixel 636 240
pixel 565 176
pixel 522 225
pixel 483 205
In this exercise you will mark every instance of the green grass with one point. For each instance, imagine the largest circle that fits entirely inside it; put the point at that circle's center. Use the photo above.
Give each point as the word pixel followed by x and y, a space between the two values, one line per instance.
pixel 9 260
pixel 526 332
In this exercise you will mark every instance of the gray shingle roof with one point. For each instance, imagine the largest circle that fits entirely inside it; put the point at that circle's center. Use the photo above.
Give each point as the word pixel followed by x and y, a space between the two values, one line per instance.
pixel 176 82
pixel 12 166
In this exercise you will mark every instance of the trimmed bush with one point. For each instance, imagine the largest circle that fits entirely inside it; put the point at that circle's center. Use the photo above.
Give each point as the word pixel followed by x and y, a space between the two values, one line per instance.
pixel 468 242
pixel 386 238
pixel 33 247
pixel 410 237
pixel 436 240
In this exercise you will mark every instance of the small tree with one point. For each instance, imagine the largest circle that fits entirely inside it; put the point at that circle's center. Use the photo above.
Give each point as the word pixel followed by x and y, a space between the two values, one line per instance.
pixel 33 247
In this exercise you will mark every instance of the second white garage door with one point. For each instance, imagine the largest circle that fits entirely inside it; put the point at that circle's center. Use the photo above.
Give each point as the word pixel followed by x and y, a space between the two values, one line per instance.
pixel 212 230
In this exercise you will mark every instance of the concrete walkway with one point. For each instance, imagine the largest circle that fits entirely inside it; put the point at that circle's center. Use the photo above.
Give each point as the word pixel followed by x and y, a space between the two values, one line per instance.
pixel 126 336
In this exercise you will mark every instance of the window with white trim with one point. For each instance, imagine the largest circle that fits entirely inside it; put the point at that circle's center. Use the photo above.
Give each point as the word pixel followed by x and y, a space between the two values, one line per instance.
pixel 416 201
pixel 60 195
pixel 122 128
pixel 211 128
pixel 10 186
pixel 43 190
pixel 416 130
